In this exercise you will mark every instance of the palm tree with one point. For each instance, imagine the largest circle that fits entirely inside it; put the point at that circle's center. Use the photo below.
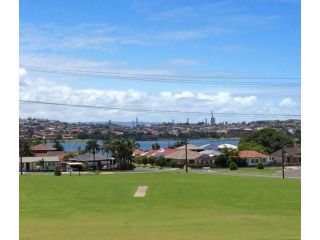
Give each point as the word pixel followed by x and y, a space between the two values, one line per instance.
pixel 24 151
pixel 93 147
pixel 122 150
pixel 107 148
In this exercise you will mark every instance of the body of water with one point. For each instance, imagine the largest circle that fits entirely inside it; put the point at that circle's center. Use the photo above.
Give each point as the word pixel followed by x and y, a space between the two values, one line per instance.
pixel 147 145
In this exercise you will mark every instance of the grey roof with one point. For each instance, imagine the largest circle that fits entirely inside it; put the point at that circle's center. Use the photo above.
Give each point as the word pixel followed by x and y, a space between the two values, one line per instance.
pixel 37 159
pixel 288 152
pixel 191 147
pixel 208 147
pixel 181 155
pixel 89 157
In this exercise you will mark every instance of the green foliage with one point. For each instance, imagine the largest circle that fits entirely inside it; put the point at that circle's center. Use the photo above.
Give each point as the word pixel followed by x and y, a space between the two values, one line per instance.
pixel 25 148
pixel 57 170
pixel 227 156
pixel 67 156
pixel 155 146
pixel 93 147
pixel 270 139
pixel 161 162
pixel 145 160
pixel 152 160
pixel 122 150
pixel 58 146
pixel 233 166
pixel 260 165
pixel 252 146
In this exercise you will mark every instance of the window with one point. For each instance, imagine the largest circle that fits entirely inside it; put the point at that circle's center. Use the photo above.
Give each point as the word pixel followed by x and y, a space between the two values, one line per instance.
pixel 191 161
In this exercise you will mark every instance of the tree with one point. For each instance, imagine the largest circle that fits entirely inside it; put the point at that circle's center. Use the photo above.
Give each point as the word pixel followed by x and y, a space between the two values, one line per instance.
pixel 152 160
pixel 122 150
pixel 145 161
pixel 252 146
pixel 233 166
pixel 161 162
pixel 227 156
pixel 155 146
pixel 93 147
pixel 58 145
pixel 24 151
pixel 106 148
pixel 271 139
pixel 41 163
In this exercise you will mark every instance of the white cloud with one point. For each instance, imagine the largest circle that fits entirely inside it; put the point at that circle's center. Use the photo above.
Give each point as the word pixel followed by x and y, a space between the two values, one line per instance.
pixel 22 72
pixel 288 103
pixel 188 101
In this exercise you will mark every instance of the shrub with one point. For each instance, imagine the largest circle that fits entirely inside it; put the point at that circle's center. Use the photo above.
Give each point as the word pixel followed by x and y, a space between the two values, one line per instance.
pixel 233 166
pixel 260 165
pixel 57 170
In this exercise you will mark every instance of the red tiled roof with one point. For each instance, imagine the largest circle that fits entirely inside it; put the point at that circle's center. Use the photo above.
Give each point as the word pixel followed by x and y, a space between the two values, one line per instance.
pixel 150 153
pixel 168 151
pixel 42 147
pixel 137 152
pixel 251 154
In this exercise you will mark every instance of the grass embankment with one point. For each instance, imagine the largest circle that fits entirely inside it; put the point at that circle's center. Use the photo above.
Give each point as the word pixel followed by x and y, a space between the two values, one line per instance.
pixel 177 206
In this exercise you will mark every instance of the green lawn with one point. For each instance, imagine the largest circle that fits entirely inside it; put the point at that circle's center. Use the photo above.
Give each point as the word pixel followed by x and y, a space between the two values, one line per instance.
pixel 252 170
pixel 177 206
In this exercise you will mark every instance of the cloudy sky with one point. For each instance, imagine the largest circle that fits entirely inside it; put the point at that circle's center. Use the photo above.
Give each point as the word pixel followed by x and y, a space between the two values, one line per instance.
pixel 239 39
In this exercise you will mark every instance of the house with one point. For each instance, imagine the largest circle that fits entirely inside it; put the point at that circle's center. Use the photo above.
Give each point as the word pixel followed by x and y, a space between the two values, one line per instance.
pixel 254 157
pixel 41 148
pixel 191 147
pixel 32 164
pixel 208 147
pixel 292 155
pixel 227 145
pixel 103 161
pixel 137 152
pixel 211 153
pixel 194 158
pixel 165 152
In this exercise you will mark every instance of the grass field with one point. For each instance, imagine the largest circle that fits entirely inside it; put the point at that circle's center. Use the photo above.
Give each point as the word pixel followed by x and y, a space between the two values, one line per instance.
pixel 177 206
pixel 252 170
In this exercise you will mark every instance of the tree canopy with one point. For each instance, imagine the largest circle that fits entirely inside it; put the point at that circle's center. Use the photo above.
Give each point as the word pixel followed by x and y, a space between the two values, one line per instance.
pixel 267 139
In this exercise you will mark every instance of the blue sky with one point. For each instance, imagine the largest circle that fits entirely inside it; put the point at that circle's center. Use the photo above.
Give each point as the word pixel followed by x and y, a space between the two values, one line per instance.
pixel 214 38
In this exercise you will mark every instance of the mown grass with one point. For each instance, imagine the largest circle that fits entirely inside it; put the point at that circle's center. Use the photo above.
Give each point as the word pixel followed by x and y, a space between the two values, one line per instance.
pixel 252 170
pixel 177 206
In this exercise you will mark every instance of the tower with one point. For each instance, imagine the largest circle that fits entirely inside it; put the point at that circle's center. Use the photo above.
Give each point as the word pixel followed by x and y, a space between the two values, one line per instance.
pixel 213 120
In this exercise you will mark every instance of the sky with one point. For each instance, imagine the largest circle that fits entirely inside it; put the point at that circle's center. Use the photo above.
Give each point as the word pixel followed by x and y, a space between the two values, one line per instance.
pixel 220 39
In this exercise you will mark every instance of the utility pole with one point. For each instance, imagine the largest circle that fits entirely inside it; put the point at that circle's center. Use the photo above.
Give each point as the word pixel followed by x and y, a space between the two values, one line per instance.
pixel 282 151
pixel 186 155
pixel 21 166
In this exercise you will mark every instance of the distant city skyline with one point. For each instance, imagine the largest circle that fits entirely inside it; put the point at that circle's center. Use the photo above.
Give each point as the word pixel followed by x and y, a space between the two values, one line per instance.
pixel 196 38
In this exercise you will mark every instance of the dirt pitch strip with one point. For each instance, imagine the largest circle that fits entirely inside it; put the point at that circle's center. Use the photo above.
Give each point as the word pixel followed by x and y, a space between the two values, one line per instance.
pixel 141 191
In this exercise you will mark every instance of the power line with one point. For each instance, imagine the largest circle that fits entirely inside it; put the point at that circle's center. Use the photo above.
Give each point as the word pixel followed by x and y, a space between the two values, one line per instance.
pixel 158 111
pixel 168 78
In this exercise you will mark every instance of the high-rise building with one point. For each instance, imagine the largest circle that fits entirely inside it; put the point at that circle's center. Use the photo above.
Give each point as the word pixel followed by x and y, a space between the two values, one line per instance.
pixel 205 121
pixel 213 120
pixel 137 123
